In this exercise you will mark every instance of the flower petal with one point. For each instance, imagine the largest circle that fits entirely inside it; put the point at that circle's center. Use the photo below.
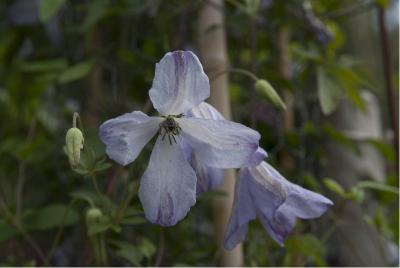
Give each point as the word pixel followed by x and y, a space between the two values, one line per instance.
pixel 243 211
pixel 179 83
pixel 168 186
pixel 300 202
pixel 297 202
pixel 206 111
pixel 220 143
pixel 126 135
pixel 207 177
pixel 256 158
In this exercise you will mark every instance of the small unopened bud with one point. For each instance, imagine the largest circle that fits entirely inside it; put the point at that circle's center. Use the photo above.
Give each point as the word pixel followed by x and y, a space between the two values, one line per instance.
pixel 73 145
pixel 93 215
pixel 265 88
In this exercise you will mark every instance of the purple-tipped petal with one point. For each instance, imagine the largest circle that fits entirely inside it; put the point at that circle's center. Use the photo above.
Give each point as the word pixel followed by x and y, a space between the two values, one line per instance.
pixel 179 83
pixel 168 186
pixel 256 158
pixel 126 135
pixel 300 202
pixel 276 201
pixel 219 143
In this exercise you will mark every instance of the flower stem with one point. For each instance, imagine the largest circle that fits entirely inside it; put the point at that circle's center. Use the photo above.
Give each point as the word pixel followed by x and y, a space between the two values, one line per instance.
pixel 94 182
pixel 235 70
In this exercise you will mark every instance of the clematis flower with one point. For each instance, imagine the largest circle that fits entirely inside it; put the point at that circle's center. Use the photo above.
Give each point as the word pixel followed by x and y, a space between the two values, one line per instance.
pixel 261 192
pixel 210 177
pixel 168 186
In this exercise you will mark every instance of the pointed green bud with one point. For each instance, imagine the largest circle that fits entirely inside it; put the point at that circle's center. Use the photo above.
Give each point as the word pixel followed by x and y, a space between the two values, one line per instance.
pixel 73 145
pixel 265 89
pixel 93 215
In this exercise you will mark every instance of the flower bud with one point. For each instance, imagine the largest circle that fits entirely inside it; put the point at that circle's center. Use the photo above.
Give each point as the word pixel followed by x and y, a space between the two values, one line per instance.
pixel 73 145
pixel 265 89
pixel 93 215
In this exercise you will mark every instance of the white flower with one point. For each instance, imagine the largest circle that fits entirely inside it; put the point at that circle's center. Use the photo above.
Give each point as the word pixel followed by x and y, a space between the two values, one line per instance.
pixel 168 186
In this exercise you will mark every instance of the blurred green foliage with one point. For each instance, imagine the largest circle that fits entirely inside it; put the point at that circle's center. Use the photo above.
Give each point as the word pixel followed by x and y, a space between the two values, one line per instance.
pixel 97 58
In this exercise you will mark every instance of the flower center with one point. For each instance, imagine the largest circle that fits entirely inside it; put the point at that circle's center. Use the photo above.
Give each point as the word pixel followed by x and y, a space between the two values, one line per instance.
pixel 170 128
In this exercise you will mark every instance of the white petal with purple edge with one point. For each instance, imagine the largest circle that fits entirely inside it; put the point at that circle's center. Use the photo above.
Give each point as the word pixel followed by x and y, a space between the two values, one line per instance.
pixel 179 83
pixel 220 143
pixel 126 135
pixel 300 202
pixel 168 186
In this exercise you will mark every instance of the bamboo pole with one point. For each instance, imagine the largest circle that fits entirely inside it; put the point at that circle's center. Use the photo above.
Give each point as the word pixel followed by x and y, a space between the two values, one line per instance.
pixel 213 52
pixel 283 38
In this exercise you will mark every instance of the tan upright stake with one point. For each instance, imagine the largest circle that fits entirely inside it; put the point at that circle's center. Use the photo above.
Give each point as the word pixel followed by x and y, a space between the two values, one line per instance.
pixel 212 44
pixel 283 39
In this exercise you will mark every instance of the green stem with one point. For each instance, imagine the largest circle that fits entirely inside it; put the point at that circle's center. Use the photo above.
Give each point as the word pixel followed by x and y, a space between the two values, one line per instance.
pixel 235 70
pixel 103 249
pixel 125 204
pixel 94 181
pixel 76 115
pixel 96 249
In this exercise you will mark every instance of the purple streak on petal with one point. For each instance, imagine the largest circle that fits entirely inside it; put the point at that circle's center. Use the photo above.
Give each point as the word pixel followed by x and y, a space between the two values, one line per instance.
pixel 165 214
pixel 168 186
pixel 277 203
pixel 179 83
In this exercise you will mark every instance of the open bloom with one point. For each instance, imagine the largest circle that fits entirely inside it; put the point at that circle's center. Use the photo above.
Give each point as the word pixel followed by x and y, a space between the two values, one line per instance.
pixel 261 192
pixel 209 177
pixel 168 186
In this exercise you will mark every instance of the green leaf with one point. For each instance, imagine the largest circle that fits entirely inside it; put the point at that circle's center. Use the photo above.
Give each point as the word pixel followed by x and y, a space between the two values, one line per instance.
pixel 99 227
pixel 50 217
pixel 352 84
pixel 75 72
pixel 378 186
pixel 51 65
pixel 88 196
pixel 97 10
pixel 101 165
pixel 47 8
pixel 386 150
pixel 334 187
pixel 128 252
pixel 328 91
pixel 147 248
pixel 7 231
pixel 357 194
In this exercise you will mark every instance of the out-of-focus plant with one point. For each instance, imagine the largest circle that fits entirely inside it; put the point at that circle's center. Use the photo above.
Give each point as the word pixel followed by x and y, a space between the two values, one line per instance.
pixel 53 52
